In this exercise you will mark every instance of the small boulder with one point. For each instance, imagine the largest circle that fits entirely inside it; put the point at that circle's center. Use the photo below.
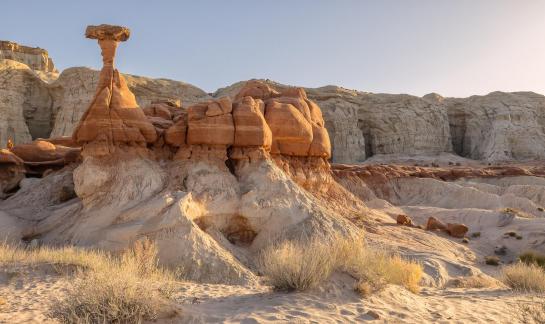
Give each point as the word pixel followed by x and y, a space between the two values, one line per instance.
pixel 434 224
pixel 457 230
pixel 404 220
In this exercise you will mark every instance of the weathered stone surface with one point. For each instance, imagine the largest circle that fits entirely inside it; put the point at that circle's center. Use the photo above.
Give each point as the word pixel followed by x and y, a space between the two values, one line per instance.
pixel 499 126
pixel 404 220
pixel 251 129
pixel 211 128
pixel 108 32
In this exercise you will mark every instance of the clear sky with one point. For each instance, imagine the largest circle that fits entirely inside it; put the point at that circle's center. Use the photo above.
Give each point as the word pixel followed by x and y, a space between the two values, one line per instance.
pixel 455 48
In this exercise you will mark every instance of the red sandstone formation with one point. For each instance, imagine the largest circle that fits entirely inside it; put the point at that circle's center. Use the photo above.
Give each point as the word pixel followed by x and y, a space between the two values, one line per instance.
pixel 113 117
pixel 251 129
pixel 41 155
pixel 257 90
pixel 211 123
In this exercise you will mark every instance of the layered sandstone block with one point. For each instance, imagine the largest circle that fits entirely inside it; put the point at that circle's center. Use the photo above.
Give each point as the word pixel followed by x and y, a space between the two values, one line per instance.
pixel 113 118
pixel 211 123
pixel 251 128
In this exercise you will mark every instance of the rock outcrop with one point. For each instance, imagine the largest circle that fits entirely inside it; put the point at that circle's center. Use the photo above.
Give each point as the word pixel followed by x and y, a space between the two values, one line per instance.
pixel 498 127
pixel 12 171
pixel 34 57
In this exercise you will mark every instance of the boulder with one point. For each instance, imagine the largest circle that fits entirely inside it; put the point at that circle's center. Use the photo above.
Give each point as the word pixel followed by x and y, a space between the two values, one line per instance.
pixel 251 129
pixel 434 224
pixel 404 220
pixel 457 230
pixel 291 131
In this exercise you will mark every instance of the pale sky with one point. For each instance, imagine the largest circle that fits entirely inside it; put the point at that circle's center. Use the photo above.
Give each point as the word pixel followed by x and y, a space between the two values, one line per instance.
pixel 455 48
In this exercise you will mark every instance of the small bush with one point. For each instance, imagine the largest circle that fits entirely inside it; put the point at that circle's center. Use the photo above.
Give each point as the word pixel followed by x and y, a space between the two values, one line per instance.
pixel 524 277
pixel 295 266
pixel 540 209
pixel 492 260
pixel 532 257
pixel 299 266
pixel 476 234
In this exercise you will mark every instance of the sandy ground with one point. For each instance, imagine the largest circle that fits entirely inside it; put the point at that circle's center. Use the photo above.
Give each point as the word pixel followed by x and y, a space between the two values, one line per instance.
pixel 28 294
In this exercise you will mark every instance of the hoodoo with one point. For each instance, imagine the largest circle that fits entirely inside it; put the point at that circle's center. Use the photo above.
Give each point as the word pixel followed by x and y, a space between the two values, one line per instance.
pixel 113 117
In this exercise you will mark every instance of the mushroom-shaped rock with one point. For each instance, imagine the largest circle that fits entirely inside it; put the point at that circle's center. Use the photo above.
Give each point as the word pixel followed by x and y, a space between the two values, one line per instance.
pixel 41 155
pixel 251 129
pixel 113 117
pixel 211 123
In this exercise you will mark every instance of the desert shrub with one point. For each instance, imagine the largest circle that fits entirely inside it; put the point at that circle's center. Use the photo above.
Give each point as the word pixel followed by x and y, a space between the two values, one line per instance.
pixel 524 277
pixel 492 260
pixel 127 288
pixel 532 257
pixel 296 266
pixel 299 266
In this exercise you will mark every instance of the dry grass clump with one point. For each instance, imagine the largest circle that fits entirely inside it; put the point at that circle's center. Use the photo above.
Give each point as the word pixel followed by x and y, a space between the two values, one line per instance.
pixel 128 288
pixel 524 277
pixel 294 266
pixel 533 257
pixel 300 266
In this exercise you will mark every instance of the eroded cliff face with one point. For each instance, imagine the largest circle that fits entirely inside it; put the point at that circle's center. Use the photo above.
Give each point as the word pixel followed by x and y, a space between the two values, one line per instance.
pixel 493 128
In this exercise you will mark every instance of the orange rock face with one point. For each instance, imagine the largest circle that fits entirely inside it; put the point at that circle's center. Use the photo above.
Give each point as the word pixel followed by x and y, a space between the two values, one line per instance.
pixel 211 123
pixel 113 118
pixel 251 129
pixel 297 125
pixel 41 155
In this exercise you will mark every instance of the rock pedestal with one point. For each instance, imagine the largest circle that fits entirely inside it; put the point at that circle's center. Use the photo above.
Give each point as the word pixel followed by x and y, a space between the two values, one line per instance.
pixel 114 118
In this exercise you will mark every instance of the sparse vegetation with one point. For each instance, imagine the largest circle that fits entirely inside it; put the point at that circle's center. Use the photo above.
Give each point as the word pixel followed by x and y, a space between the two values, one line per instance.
pixel 533 257
pixel 512 234
pixel 128 288
pixel 299 266
pixel 540 209
pixel 476 234
pixel 478 281
pixel 465 240
pixel 524 277
pixel 492 260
